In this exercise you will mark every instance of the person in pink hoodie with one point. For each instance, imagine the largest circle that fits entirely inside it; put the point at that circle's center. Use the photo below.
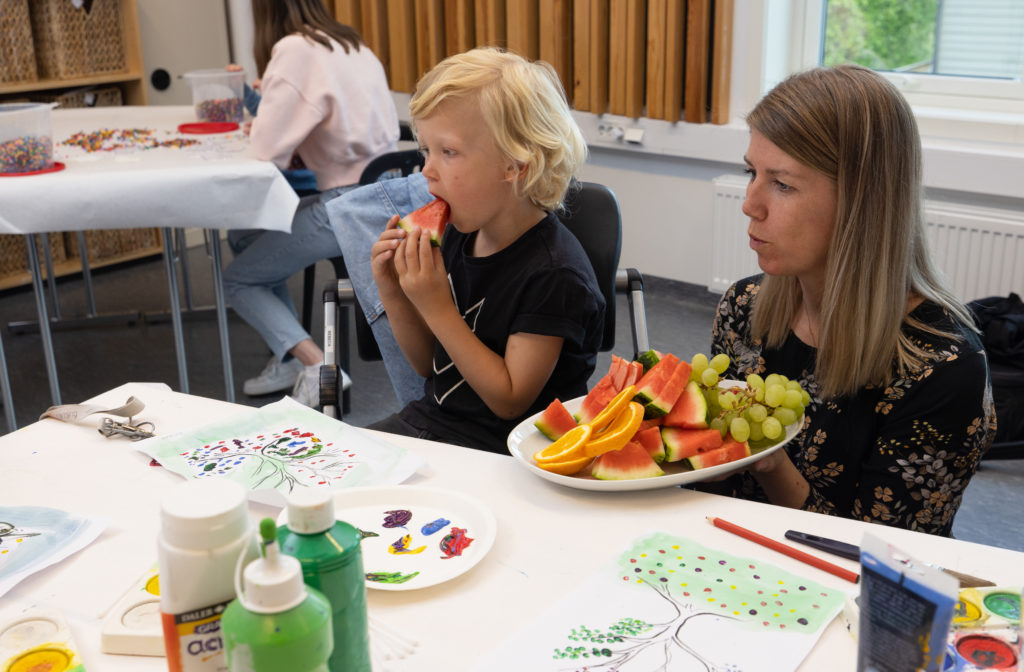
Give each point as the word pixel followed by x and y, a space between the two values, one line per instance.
pixel 326 105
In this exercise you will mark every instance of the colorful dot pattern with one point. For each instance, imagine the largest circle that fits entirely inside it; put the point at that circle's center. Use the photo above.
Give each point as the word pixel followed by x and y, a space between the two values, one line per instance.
pixel 26 154
pixel 219 109
pixel 113 139
pixel 742 588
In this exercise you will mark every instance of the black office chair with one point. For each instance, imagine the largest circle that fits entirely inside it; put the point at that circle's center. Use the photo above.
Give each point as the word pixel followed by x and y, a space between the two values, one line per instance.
pixel 591 213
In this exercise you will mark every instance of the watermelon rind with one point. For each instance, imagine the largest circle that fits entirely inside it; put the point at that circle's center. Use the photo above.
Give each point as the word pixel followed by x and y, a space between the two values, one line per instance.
pixel 729 452
pixel 682 443
pixel 431 218
pixel 649 359
pixel 653 382
pixel 628 463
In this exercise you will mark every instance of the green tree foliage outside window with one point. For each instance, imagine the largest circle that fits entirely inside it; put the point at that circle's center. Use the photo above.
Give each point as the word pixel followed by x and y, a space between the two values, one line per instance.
pixel 881 34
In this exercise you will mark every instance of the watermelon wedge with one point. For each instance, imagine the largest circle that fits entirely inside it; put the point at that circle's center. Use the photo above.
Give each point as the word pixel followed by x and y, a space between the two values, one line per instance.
pixel 636 371
pixel 555 421
pixel 669 393
pixel 631 461
pixel 681 444
pixel 649 359
pixel 651 384
pixel 595 401
pixel 730 451
pixel 432 218
pixel 650 439
pixel 690 409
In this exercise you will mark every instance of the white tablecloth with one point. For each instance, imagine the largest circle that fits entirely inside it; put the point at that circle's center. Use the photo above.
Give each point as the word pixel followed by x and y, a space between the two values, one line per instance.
pixel 549 538
pixel 214 185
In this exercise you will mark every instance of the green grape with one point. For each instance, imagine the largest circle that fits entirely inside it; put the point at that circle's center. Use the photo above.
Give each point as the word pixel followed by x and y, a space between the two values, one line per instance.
pixel 756 431
pixel 726 400
pixel 755 381
pixel 740 429
pixel 784 415
pixel 791 399
pixel 772 428
pixel 758 413
pixel 719 424
pixel 805 398
pixel 759 393
pixel 774 394
pixel 709 377
pixel 720 363
pixel 774 379
pixel 699 363
pixel 793 385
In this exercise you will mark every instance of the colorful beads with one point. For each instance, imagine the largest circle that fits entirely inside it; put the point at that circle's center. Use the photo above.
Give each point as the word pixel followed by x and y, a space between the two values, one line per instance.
pixel 112 139
pixel 26 154
pixel 219 109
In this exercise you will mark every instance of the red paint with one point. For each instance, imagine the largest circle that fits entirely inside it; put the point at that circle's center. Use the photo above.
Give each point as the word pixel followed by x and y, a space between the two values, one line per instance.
pixel 987 652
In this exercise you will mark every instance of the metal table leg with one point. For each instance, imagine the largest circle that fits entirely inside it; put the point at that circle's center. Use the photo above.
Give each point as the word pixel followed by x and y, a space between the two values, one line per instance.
pixel 44 318
pixel 172 285
pixel 5 391
pixel 83 253
pixel 222 319
pixel 51 277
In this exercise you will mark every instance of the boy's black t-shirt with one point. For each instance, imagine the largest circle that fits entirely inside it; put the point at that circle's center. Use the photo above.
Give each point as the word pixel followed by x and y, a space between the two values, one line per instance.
pixel 542 283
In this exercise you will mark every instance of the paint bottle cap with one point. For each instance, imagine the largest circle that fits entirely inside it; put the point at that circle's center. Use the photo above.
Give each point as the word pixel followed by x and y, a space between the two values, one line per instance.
pixel 310 511
pixel 273 583
pixel 204 514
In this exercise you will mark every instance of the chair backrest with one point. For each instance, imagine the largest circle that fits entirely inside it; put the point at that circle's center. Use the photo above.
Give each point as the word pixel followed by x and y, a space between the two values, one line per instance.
pixel 592 214
pixel 408 161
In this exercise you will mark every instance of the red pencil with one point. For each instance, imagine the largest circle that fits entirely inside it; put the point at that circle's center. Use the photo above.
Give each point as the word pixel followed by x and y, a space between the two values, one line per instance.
pixel 785 549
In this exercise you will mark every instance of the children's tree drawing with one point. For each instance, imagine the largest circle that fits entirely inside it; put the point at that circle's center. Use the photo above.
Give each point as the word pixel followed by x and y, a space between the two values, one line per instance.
pixel 681 593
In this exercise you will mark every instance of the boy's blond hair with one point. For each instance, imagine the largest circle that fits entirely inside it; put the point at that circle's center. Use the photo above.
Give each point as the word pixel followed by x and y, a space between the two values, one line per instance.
pixel 524 107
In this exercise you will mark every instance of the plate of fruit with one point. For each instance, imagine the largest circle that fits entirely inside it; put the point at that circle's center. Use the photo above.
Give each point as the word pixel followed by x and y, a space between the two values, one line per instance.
pixel 658 422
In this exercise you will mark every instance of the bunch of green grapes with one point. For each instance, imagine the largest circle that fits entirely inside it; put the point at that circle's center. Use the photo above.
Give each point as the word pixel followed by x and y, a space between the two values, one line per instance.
pixel 758 412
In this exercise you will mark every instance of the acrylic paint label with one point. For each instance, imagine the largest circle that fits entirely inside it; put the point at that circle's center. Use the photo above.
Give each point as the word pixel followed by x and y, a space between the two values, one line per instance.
pixel 193 640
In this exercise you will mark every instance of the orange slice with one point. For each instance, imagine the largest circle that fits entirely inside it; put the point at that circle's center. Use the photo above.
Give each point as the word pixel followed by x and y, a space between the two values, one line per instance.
pixel 614 407
pixel 569 446
pixel 619 432
pixel 566 468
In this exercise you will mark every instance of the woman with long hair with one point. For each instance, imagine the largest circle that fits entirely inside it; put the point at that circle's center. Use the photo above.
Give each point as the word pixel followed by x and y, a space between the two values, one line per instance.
pixel 851 305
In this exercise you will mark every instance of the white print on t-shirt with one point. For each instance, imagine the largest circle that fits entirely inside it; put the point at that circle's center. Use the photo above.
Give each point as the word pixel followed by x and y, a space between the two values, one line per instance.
pixel 470 316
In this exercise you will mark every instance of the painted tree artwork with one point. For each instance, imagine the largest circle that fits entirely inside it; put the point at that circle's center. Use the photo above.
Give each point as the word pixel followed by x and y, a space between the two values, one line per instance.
pixel 669 603
pixel 281 447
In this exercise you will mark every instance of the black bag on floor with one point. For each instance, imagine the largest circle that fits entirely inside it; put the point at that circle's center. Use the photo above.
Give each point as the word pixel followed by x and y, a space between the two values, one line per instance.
pixel 1001 320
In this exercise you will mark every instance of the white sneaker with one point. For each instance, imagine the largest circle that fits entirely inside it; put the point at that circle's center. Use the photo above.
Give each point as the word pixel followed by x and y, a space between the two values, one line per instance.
pixel 276 376
pixel 307 386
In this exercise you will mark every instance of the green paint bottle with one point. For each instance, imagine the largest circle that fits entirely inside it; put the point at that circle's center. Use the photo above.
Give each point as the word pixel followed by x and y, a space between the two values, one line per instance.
pixel 332 562
pixel 277 622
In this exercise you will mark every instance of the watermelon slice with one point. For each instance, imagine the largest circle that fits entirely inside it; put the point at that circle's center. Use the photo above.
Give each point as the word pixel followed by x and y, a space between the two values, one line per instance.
pixel 431 218
pixel 595 401
pixel 649 359
pixel 631 461
pixel 651 384
pixel 619 371
pixel 650 439
pixel 690 409
pixel 666 399
pixel 636 371
pixel 731 450
pixel 555 421
pixel 681 444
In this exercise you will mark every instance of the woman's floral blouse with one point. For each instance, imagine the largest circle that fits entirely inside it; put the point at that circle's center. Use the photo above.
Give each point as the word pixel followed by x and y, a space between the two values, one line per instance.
pixel 899 455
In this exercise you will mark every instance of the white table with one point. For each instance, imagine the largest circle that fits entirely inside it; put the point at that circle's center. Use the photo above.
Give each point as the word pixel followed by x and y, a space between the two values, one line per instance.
pixel 216 185
pixel 549 538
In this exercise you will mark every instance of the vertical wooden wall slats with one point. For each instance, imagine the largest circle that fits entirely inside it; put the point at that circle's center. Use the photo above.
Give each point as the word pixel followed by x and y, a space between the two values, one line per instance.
pixel 349 12
pixel 402 44
pixel 675 53
pixel 579 94
pixel 657 12
pixel 657 58
pixel 555 39
pixel 491 23
pixel 721 62
pixel 523 27
pixel 698 38
pixel 459 28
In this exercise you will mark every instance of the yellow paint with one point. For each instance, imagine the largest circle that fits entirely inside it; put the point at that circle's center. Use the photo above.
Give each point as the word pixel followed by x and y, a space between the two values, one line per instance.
pixel 153 585
pixel 43 658
pixel 967 611
pixel 405 550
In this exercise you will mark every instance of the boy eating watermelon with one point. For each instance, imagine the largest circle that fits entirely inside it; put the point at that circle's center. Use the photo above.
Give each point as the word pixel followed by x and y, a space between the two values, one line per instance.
pixel 506 314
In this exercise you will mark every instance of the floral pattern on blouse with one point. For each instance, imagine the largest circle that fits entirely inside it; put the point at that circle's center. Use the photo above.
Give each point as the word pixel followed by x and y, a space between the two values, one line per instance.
pixel 899 455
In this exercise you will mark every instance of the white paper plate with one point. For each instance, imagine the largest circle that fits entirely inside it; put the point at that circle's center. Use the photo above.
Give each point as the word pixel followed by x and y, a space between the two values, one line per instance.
pixel 525 440
pixel 367 509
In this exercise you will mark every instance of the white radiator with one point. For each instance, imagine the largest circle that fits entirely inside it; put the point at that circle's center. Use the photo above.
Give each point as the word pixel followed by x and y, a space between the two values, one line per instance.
pixel 979 250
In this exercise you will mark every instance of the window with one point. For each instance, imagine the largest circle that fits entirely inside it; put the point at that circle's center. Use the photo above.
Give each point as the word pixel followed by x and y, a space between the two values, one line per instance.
pixel 966 54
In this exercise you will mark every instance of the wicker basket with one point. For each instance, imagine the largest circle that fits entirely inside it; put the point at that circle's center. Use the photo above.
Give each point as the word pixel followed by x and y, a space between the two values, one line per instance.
pixel 17 52
pixel 12 253
pixel 87 96
pixel 71 42
pixel 104 244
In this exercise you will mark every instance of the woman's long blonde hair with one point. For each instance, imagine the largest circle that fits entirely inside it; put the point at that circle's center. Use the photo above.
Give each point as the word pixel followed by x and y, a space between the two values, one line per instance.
pixel 853 126
pixel 524 107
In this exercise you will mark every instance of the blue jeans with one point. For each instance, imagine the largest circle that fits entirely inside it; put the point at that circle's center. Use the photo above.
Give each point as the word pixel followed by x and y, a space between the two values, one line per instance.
pixel 255 282
pixel 358 217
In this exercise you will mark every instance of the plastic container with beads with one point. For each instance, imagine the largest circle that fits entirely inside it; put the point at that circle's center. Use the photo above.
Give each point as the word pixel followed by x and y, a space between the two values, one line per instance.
pixel 217 94
pixel 26 137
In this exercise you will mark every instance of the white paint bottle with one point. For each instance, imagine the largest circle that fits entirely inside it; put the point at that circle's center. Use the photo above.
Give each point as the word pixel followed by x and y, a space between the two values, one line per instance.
pixel 204 527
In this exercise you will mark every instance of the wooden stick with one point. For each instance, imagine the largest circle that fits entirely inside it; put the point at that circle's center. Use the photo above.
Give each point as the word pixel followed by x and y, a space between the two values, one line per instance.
pixel 785 549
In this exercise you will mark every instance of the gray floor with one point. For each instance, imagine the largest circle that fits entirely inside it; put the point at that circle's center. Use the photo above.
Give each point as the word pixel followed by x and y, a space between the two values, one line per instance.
pixel 97 358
